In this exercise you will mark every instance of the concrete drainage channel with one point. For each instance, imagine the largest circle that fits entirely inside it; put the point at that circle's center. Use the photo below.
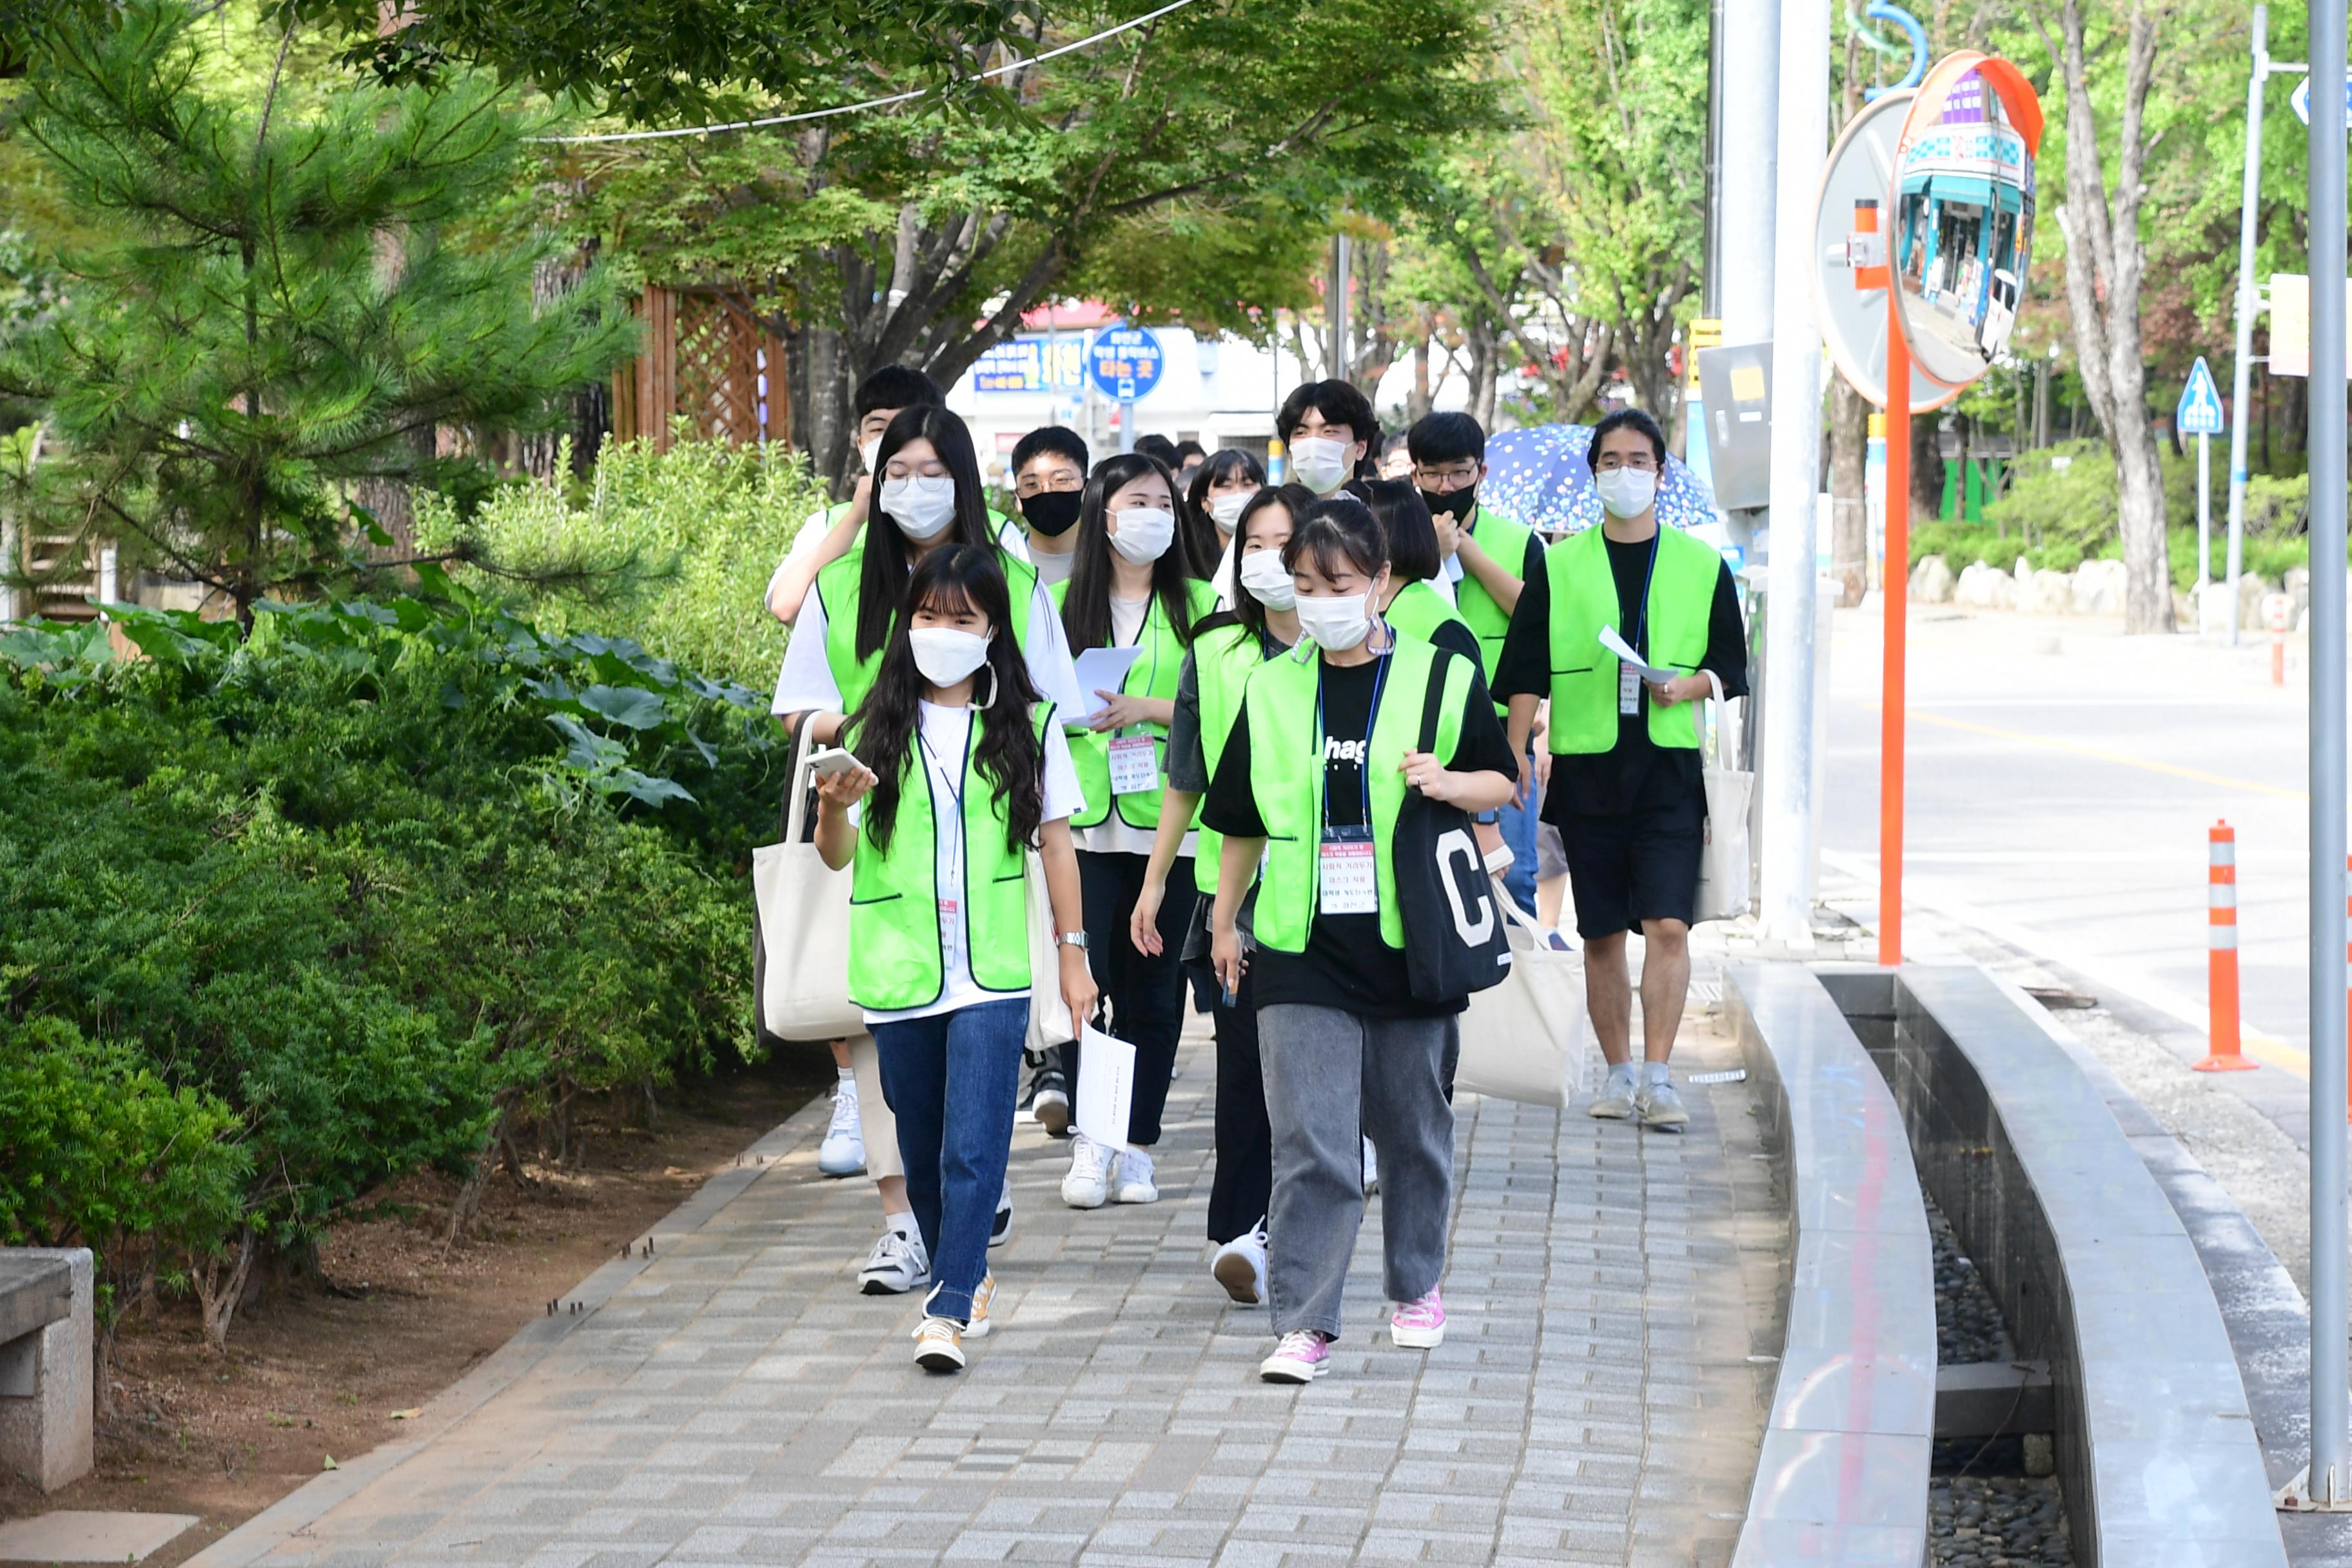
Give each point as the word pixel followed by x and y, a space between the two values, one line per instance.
pixel 1882 1090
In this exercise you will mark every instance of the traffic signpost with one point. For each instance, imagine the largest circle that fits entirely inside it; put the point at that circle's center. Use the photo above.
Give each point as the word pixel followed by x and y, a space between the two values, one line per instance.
pixel 2199 415
pixel 1124 363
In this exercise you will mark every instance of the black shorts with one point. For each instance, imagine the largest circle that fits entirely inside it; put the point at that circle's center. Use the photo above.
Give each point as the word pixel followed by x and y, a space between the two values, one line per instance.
pixel 1640 866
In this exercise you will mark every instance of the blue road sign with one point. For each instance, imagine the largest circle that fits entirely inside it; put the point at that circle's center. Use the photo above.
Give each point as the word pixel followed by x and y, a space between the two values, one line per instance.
pixel 2200 412
pixel 1124 361
pixel 2301 100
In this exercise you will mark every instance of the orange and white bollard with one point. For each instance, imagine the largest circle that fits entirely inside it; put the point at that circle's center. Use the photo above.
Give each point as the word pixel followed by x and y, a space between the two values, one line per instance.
pixel 2221 953
pixel 2276 607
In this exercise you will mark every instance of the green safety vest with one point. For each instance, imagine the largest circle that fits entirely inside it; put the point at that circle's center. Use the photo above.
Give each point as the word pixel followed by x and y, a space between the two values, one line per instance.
pixel 837 589
pixel 895 956
pixel 1287 768
pixel 1419 610
pixel 1584 599
pixel 1222 662
pixel 1507 543
pixel 1154 674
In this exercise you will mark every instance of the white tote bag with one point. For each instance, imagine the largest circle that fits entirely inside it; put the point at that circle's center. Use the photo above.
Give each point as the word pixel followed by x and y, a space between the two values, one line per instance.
pixel 803 913
pixel 1723 855
pixel 1049 1012
pixel 1524 1039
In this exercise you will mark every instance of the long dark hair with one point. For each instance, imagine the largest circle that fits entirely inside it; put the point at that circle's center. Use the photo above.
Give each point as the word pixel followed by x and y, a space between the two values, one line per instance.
pixel 1247 610
pixel 1086 605
pixel 882 583
pixel 1007 750
pixel 1200 530
pixel 1413 535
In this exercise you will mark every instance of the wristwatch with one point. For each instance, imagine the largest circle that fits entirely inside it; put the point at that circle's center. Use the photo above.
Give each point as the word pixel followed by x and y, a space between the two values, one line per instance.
pixel 1077 939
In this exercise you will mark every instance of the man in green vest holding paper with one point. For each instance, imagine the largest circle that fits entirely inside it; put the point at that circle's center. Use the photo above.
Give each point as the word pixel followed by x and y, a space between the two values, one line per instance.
pixel 1486 558
pixel 1626 792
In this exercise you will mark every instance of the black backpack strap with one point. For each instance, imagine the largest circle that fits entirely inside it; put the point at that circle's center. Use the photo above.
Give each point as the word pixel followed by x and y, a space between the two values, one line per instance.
pixel 1432 697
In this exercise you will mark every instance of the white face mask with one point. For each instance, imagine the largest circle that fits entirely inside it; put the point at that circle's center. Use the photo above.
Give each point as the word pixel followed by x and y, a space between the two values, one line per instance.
pixel 1225 508
pixel 945 655
pixel 868 453
pixel 1144 533
pixel 922 506
pixel 1336 622
pixel 1626 493
pixel 1320 463
pixel 1268 581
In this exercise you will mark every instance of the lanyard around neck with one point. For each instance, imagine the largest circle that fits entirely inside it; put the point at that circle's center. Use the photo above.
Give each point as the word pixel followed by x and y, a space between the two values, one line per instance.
pixel 1642 609
pixel 962 777
pixel 1364 759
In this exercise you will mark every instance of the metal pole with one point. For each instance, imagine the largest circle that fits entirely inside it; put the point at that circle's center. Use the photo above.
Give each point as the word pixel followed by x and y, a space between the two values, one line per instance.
pixel 1710 294
pixel 2330 1305
pixel 1895 594
pixel 2249 203
pixel 1785 885
pixel 1751 38
pixel 1340 325
pixel 2204 524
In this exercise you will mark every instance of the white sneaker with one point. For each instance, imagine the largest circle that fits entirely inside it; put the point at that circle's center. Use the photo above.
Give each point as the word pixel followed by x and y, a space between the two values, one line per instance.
pixel 1049 1103
pixel 1661 1108
pixel 896 1266
pixel 1615 1100
pixel 1135 1184
pixel 1240 1267
pixel 1088 1186
pixel 843 1153
pixel 1371 1169
pixel 1001 1231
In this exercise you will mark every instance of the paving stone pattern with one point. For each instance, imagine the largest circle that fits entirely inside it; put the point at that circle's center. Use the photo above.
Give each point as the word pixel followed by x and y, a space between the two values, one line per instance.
pixel 734 1402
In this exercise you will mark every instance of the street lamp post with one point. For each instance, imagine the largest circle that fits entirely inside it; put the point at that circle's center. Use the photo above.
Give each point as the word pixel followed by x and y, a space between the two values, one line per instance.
pixel 2240 372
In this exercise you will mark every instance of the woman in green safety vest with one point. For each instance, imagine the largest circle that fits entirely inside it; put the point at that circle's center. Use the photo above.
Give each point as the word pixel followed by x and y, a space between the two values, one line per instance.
pixel 1312 779
pixel 1226 480
pixel 960 770
pixel 1132 588
pixel 1229 645
pixel 1415 605
pixel 1626 790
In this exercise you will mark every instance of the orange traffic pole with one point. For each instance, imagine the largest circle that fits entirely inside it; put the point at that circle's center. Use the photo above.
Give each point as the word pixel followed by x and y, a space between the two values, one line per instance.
pixel 1895 594
pixel 2278 653
pixel 2221 951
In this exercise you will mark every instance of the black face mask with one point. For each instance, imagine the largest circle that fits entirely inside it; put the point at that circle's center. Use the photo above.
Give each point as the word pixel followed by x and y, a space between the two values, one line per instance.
pixel 1051 512
pixel 1455 504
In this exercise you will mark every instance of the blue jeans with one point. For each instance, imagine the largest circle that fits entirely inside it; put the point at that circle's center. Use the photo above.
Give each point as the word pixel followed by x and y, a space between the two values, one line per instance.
pixel 1518 828
pixel 951 1079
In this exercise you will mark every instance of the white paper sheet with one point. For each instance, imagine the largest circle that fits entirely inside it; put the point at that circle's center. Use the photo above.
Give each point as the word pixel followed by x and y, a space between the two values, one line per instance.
pixel 1105 1089
pixel 1648 672
pixel 1102 670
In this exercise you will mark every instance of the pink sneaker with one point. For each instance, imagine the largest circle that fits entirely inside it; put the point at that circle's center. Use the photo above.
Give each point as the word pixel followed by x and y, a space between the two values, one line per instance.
pixel 1420 1325
pixel 1301 1357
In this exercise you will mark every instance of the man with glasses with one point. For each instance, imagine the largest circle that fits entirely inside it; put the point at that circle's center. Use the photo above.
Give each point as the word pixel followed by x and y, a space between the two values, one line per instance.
pixel 1625 789
pixel 1486 558
pixel 1049 473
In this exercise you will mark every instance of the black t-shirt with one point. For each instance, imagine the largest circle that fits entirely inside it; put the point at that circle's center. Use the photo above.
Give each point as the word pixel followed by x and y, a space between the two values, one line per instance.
pixel 1346 964
pixel 1635 773
pixel 1455 637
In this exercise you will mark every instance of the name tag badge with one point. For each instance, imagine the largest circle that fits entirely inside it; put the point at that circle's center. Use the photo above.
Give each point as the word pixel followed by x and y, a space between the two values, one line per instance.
pixel 948 930
pixel 1134 765
pixel 1629 689
pixel 1349 873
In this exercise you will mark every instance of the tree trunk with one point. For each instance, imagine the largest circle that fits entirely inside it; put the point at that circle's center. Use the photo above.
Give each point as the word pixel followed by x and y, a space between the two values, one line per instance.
pixel 219 1284
pixel 1926 469
pixel 1485 368
pixel 1417 401
pixel 1849 512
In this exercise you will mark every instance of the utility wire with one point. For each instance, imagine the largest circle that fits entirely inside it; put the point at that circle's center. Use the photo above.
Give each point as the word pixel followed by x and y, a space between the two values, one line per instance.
pixel 871 103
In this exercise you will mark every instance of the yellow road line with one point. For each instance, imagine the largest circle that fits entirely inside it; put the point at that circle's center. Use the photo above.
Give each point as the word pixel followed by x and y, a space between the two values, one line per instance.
pixel 2195 775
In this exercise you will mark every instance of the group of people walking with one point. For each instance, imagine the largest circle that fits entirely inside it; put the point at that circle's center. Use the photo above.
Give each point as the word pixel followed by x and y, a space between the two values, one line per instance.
pixel 1217 830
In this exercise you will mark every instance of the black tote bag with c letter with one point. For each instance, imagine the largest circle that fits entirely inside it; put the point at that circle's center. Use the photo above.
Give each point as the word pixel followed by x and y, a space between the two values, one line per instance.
pixel 1454 940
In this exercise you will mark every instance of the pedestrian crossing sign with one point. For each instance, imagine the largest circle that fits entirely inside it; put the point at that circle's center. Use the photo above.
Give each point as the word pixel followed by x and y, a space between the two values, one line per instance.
pixel 2200 412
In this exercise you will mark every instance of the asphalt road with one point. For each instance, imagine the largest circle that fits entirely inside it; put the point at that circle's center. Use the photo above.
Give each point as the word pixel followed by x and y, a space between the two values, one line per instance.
pixel 2062 778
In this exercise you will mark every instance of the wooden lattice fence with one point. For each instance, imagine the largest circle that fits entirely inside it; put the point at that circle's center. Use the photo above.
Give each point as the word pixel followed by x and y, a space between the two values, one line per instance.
pixel 708 359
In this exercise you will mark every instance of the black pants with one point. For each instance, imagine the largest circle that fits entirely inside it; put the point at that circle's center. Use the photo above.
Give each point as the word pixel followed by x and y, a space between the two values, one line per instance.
pixel 1142 996
pixel 1243 1187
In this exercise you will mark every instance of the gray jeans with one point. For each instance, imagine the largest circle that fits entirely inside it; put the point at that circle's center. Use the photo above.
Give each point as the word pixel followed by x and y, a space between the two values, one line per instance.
pixel 1330 1077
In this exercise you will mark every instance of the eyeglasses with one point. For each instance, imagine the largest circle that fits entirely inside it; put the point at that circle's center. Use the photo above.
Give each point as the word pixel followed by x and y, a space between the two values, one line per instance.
pixel 1445 476
pixel 1059 479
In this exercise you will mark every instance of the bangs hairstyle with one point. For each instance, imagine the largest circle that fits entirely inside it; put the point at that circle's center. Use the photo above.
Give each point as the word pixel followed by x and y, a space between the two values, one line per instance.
pixel 1413 535
pixel 1627 419
pixel 1437 439
pixel 1086 603
pixel 897 387
pixel 1339 403
pixel 1200 529
pixel 1293 500
pixel 1337 534
pixel 882 580
pixel 1006 749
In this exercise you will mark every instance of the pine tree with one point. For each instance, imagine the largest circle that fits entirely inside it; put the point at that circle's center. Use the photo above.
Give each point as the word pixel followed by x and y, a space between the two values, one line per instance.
pixel 283 307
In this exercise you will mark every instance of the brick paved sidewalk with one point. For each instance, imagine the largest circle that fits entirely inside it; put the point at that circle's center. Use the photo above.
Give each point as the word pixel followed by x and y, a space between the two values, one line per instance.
pixel 733 1400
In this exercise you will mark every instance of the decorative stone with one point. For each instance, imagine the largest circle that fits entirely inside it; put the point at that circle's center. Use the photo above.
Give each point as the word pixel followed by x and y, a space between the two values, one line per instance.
pixel 2045 594
pixel 2099 588
pixel 1983 587
pixel 1932 581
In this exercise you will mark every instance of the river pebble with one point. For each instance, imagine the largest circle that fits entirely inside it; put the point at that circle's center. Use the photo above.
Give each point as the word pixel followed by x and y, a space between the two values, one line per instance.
pixel 1969 1324
pixel 1997 1522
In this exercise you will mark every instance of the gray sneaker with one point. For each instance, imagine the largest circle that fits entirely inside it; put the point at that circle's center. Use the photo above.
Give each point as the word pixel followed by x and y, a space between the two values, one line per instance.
pixel 1615 1100
pixel 1660 1108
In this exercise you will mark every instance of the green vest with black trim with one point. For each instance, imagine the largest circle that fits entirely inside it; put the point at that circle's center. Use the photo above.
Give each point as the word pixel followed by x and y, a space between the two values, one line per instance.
pixel 896 954
pixel 1583 594
pixel 1222 662
pixel 1286 772
pixel 1419 610
pixel 1153 674
pixel 838 587
pixel 1506 543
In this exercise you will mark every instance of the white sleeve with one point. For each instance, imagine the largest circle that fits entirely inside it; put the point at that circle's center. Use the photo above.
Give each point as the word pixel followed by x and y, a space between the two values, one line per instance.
pixel 1063 796
pixel 1013 539
pixel 1051 668
pixel 805 684
pixel 804 546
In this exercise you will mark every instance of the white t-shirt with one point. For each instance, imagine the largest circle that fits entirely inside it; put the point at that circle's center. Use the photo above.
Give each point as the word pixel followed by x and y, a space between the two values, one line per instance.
pixel 806 683
pixel 1445 580
pixel 944 732
pixel 1114 835
pixel 1009 537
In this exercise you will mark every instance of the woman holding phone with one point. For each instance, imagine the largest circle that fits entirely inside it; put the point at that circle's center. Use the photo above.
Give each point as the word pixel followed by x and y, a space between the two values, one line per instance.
pixel 962 769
